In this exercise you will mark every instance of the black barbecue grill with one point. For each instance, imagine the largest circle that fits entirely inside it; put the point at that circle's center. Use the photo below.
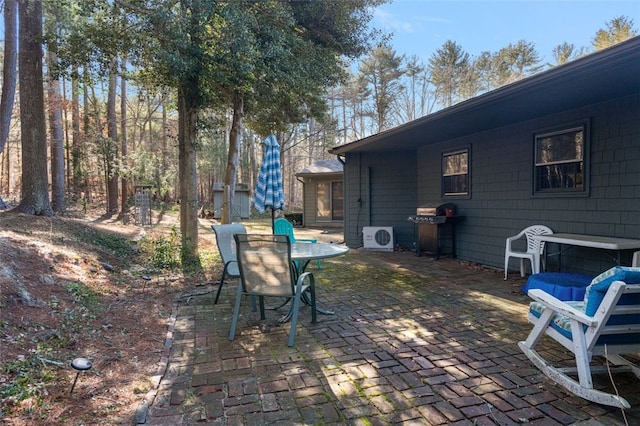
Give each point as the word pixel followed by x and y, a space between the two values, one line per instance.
pixel 435 225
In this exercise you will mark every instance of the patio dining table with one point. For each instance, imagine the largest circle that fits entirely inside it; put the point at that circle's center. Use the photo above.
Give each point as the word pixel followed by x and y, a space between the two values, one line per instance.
pixel 303 253
pixel 593 241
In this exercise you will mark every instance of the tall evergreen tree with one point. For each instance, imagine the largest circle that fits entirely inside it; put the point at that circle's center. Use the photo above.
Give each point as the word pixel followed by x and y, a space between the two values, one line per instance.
pixel 415 97
pixel 234 54
pixel 9 74
pixel 566 52
pixel 382 70
pixel 617 30
pixel 448 66
pixel 35 183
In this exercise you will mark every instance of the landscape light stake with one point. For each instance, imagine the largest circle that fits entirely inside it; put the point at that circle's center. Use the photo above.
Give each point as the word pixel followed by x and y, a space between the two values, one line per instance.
pixel 146 279
pixel 79 364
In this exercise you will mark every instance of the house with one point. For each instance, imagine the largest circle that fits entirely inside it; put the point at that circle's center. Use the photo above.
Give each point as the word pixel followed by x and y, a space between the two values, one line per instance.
pixel 322 193
pixel 560 148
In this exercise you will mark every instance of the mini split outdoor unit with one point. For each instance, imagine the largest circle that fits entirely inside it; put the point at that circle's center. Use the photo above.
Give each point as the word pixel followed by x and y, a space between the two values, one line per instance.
pixel 378 238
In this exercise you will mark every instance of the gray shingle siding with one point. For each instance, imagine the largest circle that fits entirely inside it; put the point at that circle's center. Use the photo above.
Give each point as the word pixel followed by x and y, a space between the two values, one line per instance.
pixel 502 200
pixel 600 91
pixel 387 195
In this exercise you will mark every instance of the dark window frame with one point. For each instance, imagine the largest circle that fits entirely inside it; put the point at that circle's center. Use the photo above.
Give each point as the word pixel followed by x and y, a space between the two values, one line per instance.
pixel 450 180
pixel 561 177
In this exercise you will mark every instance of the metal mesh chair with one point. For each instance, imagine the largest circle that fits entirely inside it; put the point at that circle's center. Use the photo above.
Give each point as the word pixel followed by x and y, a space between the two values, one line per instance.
pixel 282 226
pixel 266 270
pixel 227 249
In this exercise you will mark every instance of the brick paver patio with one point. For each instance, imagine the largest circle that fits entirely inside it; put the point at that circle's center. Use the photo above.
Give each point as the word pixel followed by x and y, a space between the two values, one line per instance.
pixel 414 341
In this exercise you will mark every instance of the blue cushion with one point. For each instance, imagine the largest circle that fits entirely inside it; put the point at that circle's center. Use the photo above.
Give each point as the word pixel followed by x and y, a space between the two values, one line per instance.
pixel 594 295
pixel 561 323
pixel 562 286
pixel 600 285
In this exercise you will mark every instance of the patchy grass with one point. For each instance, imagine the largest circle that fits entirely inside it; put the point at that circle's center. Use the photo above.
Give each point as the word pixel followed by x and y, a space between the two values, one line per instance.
pixel 73 288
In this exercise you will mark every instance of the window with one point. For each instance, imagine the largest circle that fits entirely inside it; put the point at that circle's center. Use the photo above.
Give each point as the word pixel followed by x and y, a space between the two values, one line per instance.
pixel 329 201
pixel 559 161
pixel 455 173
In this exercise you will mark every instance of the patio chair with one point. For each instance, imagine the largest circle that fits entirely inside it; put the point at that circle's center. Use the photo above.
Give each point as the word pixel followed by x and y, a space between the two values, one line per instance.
pixel 227 249
pixel 282 226
pixel 636 260
pixel 606 322
pixel 534 250
pixel 266 271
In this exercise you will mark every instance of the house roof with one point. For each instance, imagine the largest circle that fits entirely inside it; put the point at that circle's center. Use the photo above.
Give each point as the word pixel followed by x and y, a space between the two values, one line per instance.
pixel 331 166
pixel 607 74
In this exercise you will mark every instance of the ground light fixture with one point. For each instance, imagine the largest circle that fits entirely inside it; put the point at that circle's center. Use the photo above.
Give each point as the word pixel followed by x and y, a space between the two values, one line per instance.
pixel 79 364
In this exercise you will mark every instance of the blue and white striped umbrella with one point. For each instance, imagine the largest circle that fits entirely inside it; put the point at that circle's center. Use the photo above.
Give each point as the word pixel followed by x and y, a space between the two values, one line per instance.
pixel 269 186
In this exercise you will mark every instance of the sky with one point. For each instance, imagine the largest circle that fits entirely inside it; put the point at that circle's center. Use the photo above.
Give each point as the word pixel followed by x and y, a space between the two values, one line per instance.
pixel 420 27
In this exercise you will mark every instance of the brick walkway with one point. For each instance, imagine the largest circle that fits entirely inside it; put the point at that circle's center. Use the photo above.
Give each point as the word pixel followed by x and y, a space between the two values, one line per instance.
pixel 437 345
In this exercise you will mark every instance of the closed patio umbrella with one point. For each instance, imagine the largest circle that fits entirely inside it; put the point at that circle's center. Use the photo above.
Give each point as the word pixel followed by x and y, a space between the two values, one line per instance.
pixel 269 186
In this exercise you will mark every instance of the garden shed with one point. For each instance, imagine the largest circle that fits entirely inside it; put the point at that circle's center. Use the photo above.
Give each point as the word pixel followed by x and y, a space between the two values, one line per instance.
pixel 241 201
pixel 323 197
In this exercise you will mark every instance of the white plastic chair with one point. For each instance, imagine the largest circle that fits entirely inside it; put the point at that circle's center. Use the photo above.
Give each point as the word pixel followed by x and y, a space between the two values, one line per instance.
pixel 534 249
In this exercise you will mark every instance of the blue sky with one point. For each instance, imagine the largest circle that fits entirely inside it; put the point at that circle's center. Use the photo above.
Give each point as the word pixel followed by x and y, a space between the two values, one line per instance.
pixel 421 27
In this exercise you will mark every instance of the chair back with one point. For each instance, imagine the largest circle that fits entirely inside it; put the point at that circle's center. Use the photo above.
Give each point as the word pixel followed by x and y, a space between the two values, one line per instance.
pixel 282 226
pixel 533 245
pixel 227 245
pixel 265 264
pixel 619 317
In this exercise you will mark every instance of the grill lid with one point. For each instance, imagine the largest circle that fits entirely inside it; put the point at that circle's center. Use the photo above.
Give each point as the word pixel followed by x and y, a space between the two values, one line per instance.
pixel 426 211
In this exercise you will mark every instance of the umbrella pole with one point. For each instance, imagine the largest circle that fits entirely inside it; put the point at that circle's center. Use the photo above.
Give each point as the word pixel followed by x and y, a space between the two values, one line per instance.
pixel 273 221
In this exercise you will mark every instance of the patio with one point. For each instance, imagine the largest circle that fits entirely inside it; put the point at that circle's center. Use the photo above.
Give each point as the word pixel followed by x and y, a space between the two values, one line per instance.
pixel 414 341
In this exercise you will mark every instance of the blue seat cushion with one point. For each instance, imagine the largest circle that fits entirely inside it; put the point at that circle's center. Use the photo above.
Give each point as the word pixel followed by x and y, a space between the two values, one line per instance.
pixel 563 286
pixel 560 323
pixel 593 296
pixel 600 285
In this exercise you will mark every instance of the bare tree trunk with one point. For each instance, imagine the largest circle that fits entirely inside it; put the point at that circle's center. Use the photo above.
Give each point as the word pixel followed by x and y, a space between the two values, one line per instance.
pixel 187 132
pixel 253 165
pixel 8 74
pixel 112 148
pixel 35 185
pixel 235 140
pixel 123 136
pixel 165 137
pixel 76 150
pixel 9 69
pixel 67 140
pixel 86 126
pixel 5 172
pixel 57 141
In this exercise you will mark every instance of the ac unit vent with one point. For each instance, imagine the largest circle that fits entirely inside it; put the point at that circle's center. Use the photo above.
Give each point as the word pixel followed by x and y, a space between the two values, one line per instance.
pixel 378 238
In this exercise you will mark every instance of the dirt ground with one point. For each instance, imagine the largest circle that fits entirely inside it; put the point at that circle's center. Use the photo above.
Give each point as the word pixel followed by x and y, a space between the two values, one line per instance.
pixel 84 287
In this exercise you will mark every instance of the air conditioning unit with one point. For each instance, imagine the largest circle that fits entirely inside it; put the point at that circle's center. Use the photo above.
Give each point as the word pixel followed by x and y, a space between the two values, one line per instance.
pixel 378 238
